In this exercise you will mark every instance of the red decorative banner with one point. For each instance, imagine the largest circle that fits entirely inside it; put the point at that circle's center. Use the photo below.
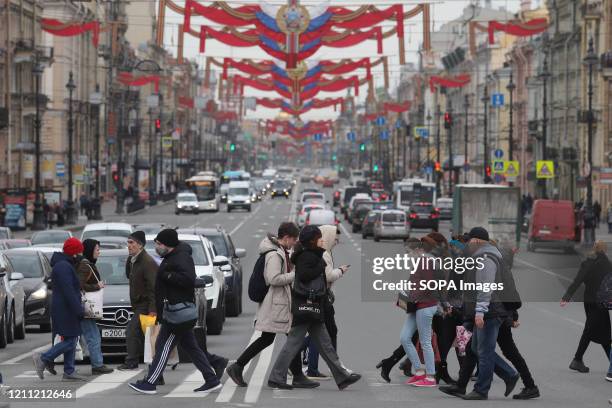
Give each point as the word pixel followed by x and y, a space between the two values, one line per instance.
pixel 58 28
pixel 518 29
pixel 186 102
pixel 128 79
pixel 397 107
pixel 455 82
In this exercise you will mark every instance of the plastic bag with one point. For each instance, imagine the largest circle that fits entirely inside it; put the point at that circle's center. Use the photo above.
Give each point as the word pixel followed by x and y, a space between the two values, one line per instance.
pixel 146 321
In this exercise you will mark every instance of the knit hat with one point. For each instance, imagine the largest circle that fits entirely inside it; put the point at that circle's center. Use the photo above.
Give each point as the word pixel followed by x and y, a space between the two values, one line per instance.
pixel 479 233
pixel 309 233
pixel 168 237
pixel 73 246
pixel 139 237
pixel 89 245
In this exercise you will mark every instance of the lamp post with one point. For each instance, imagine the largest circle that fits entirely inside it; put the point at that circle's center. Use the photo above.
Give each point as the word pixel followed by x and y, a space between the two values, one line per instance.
pixel 449 134
pixel 485 102
pixel 511 87
pixel 438 175
pixel 429 145
pixel 544 75
pixel 38 223
pixel 466 104
pixel 589 217
pixel 152 198
pixel 95 100
pixel 71 214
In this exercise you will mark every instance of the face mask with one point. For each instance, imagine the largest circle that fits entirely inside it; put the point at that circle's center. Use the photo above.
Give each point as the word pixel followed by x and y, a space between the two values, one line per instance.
pixel 161 251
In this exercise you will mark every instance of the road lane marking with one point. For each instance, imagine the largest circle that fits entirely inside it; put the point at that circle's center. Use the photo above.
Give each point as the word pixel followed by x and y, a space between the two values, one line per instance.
pixel 229 388
pixel 245 220
pixel 546 271
pixel 27 374
pixel 549 312
pixel 20 357
pixel 185 389
pixel 259 374
pixel 106 382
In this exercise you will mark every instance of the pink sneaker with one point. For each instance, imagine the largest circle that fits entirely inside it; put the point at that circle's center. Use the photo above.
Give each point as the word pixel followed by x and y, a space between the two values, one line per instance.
pixel 414 379
pixel 425 382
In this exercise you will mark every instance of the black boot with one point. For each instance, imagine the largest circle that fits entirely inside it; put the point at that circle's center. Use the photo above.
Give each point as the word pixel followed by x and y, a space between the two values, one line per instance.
pixel 442 374
pixel 387 364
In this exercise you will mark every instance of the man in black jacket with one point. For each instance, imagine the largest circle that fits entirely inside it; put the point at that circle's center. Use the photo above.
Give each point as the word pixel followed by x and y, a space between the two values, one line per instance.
pixel 175 284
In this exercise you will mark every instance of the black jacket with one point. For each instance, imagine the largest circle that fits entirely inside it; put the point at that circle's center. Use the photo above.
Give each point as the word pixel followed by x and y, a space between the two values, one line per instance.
pixel 175 278
pixel 309 266
pixel 592 271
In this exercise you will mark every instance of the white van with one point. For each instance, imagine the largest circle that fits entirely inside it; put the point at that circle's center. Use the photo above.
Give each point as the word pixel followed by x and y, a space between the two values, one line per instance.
pixel 239 195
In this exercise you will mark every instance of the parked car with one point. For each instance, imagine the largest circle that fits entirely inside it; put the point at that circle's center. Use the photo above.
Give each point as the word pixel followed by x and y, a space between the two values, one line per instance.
pixel 152 228
pixel 367 226
pixel 224 246
pixel 552 225
pixel 321 217
pixel 50 237
pixel 6 233
pixel 117 309
pixel 3 310
pixel 306 208
pixel 107 229
pixel 206 263
pixel 14 319
pixel 362 208
pixel 423 215
pixel 186 202
pixel 36 283
pixel 391 225
pixel 14 243
pixel 445 206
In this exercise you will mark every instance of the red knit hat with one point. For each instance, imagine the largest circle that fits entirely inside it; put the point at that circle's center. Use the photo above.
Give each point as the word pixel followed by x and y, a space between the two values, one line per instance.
pixel 73 246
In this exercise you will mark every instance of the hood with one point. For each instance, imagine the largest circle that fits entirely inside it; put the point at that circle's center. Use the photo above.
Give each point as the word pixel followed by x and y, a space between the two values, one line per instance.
pixel 117 295
pixel 60 257
pixel 329 233
pixel 486 249
pixel 182 247
pixel 269 243
pixel 299 250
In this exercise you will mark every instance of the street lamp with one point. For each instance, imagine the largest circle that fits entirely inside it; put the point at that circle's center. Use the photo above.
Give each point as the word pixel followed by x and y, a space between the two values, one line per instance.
pixel 485 102
pixel 511 87
pixel 544 75
pixel 428 161
pixel 71 214
pixel 38 223
pixel 95 99
pixel 589 217
pixel 466 103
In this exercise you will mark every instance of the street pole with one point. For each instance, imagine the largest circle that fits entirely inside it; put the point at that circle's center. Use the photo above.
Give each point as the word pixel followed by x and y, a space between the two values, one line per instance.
pixel 450 148
pixel 152 200
pixel 438 116
pixel 38 223
pixel 120 201
pixel 485 102
pixel 428 146
pixel 544 76
pixel 136 198
pixel 589 216
pixel 465 139
pixel 96 213
pixel 511 87
pixel 161 147
pixel 70 211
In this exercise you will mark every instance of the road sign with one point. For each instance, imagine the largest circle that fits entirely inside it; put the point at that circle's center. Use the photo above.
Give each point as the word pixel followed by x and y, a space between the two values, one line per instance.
pixel 512 168
pixel 421 131
pixel 166 142
pixel 60 169
pixel 499 153
pixel 351 136
pixel 499 167
pixel 497 99
pixel 318 137
pixel 545 169
pixel 399 124
pixel 380 121
pixel 384 135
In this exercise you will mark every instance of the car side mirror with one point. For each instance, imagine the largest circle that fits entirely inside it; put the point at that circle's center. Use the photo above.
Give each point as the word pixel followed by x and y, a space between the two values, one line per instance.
pixel 204 281
pixel 240 252
pixel 220 260
pixel 16 276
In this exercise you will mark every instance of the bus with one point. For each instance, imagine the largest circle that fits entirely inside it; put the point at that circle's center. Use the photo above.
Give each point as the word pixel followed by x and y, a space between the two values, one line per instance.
pixel 410 191
pixel 235 175
pixel 205 186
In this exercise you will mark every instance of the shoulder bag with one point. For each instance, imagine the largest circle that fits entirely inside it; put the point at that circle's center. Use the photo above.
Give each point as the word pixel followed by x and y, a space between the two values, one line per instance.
pixel 93 302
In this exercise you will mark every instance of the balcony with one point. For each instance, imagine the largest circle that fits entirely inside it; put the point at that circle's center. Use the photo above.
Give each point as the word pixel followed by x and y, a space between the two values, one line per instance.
pixel 25 51
pixel 29 99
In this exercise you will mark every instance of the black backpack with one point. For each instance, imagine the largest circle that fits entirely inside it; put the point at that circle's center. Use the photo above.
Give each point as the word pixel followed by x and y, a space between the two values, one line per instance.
pixel 258 289
pixel 604 293
pixel 509 296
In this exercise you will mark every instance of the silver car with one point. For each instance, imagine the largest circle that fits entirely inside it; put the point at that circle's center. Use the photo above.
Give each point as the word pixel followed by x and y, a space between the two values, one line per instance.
pixel 392 224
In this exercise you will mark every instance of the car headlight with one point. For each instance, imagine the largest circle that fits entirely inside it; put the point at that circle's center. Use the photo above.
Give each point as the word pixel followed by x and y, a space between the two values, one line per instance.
pixel 229 201
pixel 179 206
pixel 211 205
pixel 196 205
pixel 38 294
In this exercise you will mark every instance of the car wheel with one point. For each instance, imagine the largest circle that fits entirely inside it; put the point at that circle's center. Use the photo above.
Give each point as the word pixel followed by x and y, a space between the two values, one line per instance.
pixel 176 213
pixel 10 326
pixel 20 331
pixel 249 209
pixel 214 321
pixel 3 331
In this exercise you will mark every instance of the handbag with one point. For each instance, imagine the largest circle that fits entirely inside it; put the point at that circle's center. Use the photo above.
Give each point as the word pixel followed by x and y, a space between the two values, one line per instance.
pixel 307 310
pixel 93 302
pixel 181 312
pixel 404 302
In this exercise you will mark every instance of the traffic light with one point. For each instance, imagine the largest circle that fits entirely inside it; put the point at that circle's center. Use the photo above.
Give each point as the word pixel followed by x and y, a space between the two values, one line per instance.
pixel 448 120
pixel 334 157
pixel 362 147
pixel 488 171
pixel 232 147
pixel 157 124
pixel 375 168
pixel 438 167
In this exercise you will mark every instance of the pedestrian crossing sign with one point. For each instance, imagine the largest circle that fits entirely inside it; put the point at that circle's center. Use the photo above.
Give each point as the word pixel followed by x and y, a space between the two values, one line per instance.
pixel 545 169
pixel 499 167
pixel 512 168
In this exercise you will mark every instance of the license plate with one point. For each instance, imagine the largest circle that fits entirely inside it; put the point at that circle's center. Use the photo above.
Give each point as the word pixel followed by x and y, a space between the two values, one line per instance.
pixel 113 333
pixel 544 232
pixel 399 227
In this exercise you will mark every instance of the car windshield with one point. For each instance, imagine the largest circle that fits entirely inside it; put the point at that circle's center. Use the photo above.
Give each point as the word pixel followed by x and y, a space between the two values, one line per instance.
pixel 27 264
pixel 106 233
pixel 310 208
pixel 393 217
pixel 149 229
pixel 422 208
pixel 241 191
pixel 112 269
pixel 219 243
pixel 197 251
pixel 186 198
pixel 281 184
pixel 308 197
pixel 49 237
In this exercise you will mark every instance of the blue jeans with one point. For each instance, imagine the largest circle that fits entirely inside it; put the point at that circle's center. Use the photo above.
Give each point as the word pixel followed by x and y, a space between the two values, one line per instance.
pixel 92 337
pixel 421 321
pixel 483 345
pixel 67 347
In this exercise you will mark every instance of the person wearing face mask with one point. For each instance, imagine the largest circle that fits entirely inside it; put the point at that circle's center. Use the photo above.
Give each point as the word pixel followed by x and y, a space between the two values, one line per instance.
pixel 66 312
pixel 175 287
pixel 273 314
pixel 141 271
pixel 91 281
pixel 308 305
pixel 330 239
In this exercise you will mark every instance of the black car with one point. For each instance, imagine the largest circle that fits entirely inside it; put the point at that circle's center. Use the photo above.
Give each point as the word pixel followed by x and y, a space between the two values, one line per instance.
pixel 359 214
pixel 423 215
pixel 349 192
pixel 281 188
pixel 367 226
pixel 224 246
pixel 36 283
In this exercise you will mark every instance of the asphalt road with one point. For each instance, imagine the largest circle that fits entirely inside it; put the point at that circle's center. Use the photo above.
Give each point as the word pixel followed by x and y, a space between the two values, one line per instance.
pixel 368 331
